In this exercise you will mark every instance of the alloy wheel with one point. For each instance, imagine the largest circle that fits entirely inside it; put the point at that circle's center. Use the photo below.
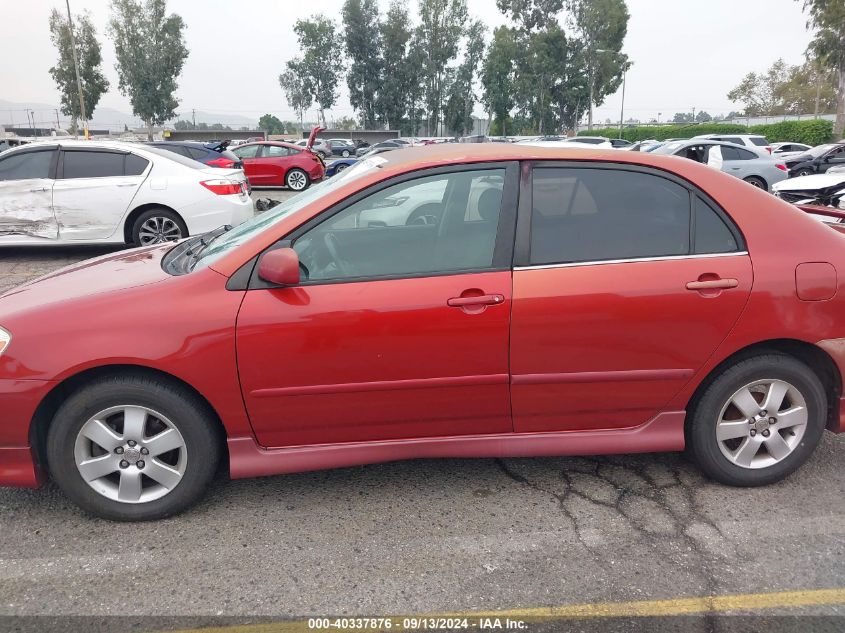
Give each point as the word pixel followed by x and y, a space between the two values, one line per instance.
pixel 130 454
pixel 762 424
pixel 158 229
pixel 297 180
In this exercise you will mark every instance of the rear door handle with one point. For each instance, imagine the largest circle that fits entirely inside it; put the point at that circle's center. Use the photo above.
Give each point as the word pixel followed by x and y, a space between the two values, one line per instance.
pixel 481 300
pixel 712 284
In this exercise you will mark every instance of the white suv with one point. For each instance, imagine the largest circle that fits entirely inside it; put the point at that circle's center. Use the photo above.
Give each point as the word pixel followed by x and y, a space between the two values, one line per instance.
pixel 752 141
pixel 79 192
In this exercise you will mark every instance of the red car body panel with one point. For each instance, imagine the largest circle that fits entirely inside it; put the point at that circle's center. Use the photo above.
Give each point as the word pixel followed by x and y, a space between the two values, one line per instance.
pixel 271 171
pixel 625 346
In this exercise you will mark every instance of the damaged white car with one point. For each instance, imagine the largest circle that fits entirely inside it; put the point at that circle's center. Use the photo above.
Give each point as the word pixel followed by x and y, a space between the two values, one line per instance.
pixel 79 192
pixel 827 190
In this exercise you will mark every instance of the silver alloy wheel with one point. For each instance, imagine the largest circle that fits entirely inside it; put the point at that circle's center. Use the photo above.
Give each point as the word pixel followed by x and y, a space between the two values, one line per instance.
pixel 297 181
pixel 118 459
pixel 762 423
pixel 340 168
pixel 158 229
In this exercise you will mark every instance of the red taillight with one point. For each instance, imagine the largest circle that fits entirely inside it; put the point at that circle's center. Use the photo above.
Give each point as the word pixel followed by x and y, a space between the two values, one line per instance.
pixel 781 166
pixel 223 162
pixel 223 187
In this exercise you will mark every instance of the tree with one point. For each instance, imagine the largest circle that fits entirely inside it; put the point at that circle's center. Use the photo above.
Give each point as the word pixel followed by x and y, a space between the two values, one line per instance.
pixel 346 123
pixel 271 124
pixel 319 67
pixel 531 14
pixel 758 93
pixel 497 77
pixel 703 117
pixel 183 125
pixel 297 88
pixel 363 47
pixel 682 117
pixel 827 17
pixel 438 35
pixel 459 106
pixel 395 33
pixel 150 50
pixel 810 87
pixel 601 27
pixel 88 53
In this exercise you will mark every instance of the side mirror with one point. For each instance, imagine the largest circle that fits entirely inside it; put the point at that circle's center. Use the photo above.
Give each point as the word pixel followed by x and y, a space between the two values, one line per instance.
pixel 280 267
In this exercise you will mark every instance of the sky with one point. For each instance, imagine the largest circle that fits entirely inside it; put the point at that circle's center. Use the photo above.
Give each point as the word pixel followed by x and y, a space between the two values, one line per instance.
pixel 686 53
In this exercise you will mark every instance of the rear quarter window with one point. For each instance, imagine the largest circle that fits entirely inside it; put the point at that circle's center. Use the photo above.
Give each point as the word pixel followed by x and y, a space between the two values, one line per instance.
pixel 759 141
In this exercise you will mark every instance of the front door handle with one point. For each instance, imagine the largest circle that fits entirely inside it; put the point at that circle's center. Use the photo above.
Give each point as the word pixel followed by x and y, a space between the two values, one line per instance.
pixel 712 284
pixel 480 300
pixel 39 190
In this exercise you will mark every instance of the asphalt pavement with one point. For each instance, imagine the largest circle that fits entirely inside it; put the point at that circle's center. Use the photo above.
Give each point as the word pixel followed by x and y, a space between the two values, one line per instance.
pixel 430 536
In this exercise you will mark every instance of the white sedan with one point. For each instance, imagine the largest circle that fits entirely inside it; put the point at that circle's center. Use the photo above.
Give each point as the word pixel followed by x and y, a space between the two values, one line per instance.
pixel 79 192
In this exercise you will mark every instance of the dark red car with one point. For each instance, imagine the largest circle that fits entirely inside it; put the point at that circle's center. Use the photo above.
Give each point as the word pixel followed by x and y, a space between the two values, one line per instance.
pixel 481 300
pixel 276 164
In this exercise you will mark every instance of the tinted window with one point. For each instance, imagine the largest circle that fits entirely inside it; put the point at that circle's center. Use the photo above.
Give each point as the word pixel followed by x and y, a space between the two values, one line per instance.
pixel 759 141
pixel 582 215
pixel 274 151
pixel 247 151
pixel 731 139
pixel 86 164
pixel 729 153
pixel 178 158
pixel 744 154
pixel 26 165
pixel 712 235
pixel 429 225
pixel 196 154
pixel 135 165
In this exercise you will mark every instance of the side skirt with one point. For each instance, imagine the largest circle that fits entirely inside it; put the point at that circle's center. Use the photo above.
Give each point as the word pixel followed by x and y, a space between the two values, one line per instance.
pixel 663 433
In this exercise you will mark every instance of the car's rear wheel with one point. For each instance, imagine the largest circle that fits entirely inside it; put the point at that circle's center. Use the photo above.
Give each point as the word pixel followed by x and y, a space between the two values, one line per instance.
pixel 759 421
pixel 155 226
pixel 345 153
pixel 133 448
pixel 340 168
pixel 297 180
pixel 805 172
pixel 757 182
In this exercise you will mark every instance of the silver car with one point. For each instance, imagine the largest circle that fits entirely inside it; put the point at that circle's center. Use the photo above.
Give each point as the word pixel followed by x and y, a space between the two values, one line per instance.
pixel 320 146
pixel 754 167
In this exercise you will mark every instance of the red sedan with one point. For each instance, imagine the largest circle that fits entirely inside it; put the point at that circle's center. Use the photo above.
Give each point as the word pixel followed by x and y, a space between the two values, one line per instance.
pixel 448 301
pixel 274 164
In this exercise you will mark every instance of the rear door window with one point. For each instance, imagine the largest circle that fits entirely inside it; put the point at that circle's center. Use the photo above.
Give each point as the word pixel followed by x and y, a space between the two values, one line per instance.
pixel 248 151
pixel 91 164
pixel 26 165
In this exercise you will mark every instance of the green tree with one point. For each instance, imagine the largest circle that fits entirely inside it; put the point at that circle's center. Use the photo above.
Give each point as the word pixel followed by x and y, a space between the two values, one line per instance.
pixel 88 53
pixel 394 33
pixel 183 125
pixel 346 123
pixel 758 93
pixel 297 88
pixel 363 47
pixel 497 78
pixel 271 124
pixel 461 100
pixel 150 50
pixel 319 42
pixel 531 14
pixel 415 90
pixel 810 87
pixel 703 117
pixel 827 18
pixel 682 117
pixel 601 27
pixel 439 33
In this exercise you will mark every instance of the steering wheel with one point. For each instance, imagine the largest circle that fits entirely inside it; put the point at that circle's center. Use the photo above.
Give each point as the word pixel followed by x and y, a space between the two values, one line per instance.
pixel 330 240
pixel 422 219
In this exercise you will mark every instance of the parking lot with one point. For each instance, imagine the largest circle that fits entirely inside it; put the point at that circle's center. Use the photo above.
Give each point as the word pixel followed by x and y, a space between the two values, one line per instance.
pixel 428 536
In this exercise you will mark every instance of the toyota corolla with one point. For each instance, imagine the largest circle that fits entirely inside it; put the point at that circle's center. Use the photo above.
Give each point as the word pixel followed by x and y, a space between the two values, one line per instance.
pixel 444 301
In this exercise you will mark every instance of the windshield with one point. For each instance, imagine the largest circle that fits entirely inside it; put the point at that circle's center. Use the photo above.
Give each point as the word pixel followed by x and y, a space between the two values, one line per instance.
pixel 246 231
pixel 821 149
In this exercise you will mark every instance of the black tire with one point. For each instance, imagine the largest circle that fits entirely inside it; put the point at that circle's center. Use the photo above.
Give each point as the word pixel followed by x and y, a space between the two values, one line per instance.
pixel 805 172
pixel 168 219
pixel 703 445
pixel 757 182
pixel 297 180
pixel 345 153
pixel 340 168
pixel 188 413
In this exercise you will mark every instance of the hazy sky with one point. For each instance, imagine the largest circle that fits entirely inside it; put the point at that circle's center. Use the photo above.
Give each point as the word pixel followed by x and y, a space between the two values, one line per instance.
pixel 686 53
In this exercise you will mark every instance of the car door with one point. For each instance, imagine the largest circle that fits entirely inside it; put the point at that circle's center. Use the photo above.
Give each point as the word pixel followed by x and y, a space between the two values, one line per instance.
pixel 94 188
pixel 274 163
pixel 834 158
pixel 399 327
pixel 616 301
pixel 26 194
pixel 732 160
pixel 252 168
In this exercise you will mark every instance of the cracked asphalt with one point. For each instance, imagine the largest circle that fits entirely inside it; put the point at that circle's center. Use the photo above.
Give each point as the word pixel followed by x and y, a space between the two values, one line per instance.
pixel 427 536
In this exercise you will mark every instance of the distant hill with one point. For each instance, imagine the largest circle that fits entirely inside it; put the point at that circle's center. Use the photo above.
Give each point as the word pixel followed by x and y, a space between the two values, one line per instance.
pixel 14 113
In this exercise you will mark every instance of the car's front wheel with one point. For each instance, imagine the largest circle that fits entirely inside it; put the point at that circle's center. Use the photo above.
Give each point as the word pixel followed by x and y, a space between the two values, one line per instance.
pixel 345 153
pixel 759 421
pixel 805 172
pixel 133 448
pixel 297 180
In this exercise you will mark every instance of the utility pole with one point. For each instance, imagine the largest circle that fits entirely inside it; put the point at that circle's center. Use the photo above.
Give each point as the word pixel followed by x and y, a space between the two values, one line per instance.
pixel 76 67
pixel 693 114
pixel 58 125
pixel 194 118
pixel 622 112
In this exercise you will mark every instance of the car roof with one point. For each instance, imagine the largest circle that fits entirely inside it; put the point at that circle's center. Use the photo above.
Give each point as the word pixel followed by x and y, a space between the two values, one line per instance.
pixel 197 144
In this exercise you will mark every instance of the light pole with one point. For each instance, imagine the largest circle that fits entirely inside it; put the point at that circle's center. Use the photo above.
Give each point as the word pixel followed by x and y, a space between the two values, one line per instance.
pixel 76 67
pixel 625 68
